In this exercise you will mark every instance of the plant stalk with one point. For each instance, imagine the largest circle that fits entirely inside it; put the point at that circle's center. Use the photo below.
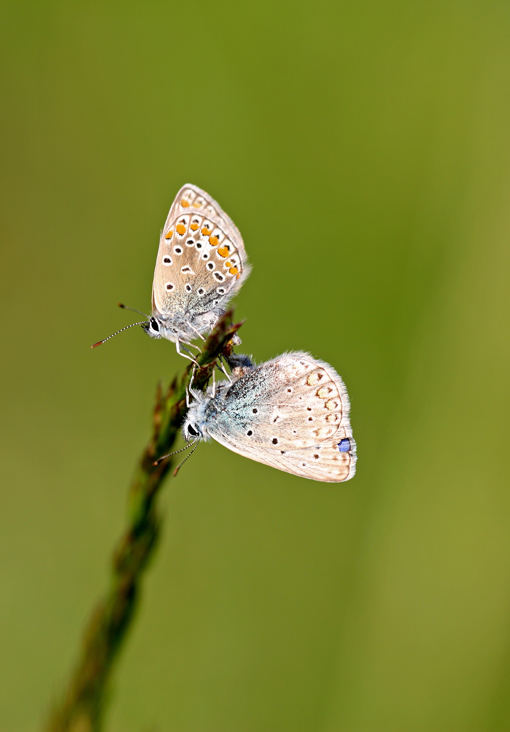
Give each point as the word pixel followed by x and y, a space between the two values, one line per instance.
pixel 82 706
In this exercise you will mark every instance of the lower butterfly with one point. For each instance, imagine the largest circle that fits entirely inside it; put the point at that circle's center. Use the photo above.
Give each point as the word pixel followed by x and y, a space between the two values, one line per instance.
pixel 291 413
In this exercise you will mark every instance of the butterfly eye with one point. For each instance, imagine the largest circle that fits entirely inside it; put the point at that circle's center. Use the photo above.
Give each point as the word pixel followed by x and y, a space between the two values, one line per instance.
pixel 192 431
pixel 154 325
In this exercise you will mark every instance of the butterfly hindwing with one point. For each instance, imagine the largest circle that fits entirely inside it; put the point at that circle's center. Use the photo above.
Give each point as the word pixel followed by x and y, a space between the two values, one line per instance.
pixel 291 413
pixel 201 260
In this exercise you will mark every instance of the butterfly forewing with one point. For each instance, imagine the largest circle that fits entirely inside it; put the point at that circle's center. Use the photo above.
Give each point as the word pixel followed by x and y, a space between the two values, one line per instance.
pixel 291 413
pixel 201 259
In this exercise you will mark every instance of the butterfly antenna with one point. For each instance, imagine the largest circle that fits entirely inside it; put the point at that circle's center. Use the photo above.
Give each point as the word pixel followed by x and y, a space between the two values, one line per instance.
pixel 131 325
pixel 174 452
pixel 185 459
pixel 133 310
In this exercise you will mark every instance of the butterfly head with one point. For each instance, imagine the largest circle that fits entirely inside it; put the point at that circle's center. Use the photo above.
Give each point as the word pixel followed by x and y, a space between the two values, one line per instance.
pixel 195 425
pixel 153 327
pixel 159 327
pixel 192 431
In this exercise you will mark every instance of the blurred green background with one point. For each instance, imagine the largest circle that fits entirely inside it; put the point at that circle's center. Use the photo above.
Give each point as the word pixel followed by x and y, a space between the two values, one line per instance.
pixel 363 151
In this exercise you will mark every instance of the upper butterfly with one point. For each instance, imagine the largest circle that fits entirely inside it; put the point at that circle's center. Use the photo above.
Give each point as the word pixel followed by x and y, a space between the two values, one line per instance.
pixel 201 264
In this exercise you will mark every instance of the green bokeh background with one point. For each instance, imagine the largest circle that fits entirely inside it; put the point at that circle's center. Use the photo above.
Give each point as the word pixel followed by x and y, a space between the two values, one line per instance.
pixel 363 151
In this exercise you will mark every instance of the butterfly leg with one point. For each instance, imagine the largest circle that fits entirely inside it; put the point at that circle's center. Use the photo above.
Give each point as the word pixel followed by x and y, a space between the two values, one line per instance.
pixel 187 355
pixel 194 345
pixel 190 392
pixel 199 334
pixel 222 368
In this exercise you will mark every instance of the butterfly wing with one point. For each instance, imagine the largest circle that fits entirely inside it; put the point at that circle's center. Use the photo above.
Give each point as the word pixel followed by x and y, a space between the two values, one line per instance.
pixel 201 261
pixel 291 413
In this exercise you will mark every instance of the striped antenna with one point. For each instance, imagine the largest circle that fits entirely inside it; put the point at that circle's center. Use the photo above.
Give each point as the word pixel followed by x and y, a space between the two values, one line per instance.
pixel 126 327
pixel 174 452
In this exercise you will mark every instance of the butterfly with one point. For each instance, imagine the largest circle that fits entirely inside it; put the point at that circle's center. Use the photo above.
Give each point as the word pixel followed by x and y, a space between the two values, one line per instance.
pixel 291 413
pixel 201 264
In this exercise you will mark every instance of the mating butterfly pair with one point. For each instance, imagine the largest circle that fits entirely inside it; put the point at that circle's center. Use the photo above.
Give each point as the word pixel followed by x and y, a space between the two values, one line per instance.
pixel 291 412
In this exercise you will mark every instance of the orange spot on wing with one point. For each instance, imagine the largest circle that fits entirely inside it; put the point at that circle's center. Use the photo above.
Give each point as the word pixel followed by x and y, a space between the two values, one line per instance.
pixel 213 240
pixel 197 205
pixel 184 203
pixel 228 264
pixel 194 227
pixel 170 234
pixel 181 229
pixel 223 251
pixel 234 271
pixel 206 231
